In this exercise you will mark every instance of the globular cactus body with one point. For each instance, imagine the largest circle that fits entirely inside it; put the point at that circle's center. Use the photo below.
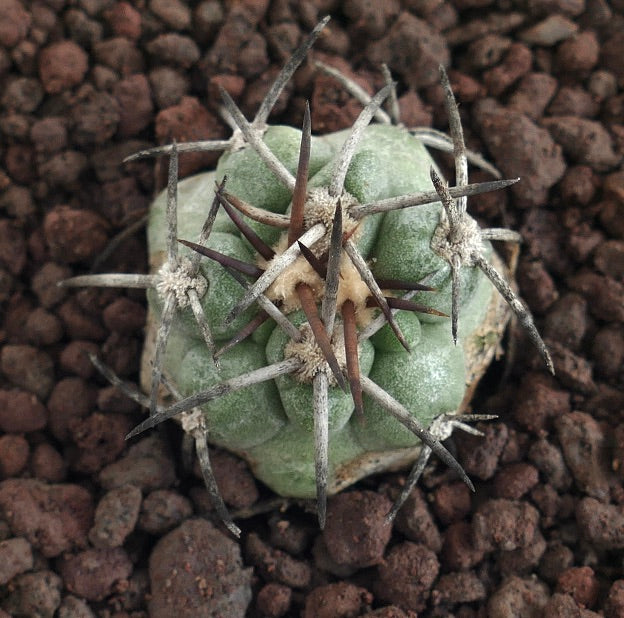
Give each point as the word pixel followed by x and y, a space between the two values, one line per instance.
pixel 346 312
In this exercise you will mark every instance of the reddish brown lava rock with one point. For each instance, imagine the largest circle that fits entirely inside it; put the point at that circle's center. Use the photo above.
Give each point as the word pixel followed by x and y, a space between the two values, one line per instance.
pixel 187 122
pixel 411 33
pixel 458 550
pixel 518 597
pixel 538 400
pixel 581 584
pixel 517 62
pixel 196 572
pixel 578 54
pixel 135 104
pixel 124 20
pixel 533 93
pixel 524 560
pixel 479 455
pixel 74 235
pixel 47 464
pixel 537 286
pixel 515 480
pixel 148 464
pixel 14 23
pixel 504 524
pixel 549 460
pixel 356 533
pixel 93 573
pixel 12 247
pixel 115 517
pixel 71 399
pixel 276 565
pixel 331 108
pixel 458 587
pixel 564 605
pixel 15 557
pixel 340 600
pixel 162 510
pixel 34 594
pixel 62 65
pixel 584 141
pixel 21 412
pixel 406 576
pixel 584 447
pixel 614 605
pixel 274 600
pixel 601 524
pixel 556 559
pixel 451 502
pixel 415 521
pixel 54 518
pixel 28 368
pixel 14 451
pixel 236 483
pixel 124 316
pixel 520 148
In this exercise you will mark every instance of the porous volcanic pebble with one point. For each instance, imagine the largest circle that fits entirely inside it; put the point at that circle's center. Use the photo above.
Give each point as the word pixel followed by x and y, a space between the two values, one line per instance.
pixel 196 572
pixel 415 521
pixel 504 524
pixel 356 533
pixel 148 465
pixel 21 412
pixel 614 605
pixel 406 576
pixel 479 455
pixel 15 557
pixel 601 524
pixel 458 550
pixel 584 447
pixel 34 594
pixel 189 121
pixel 515 480
pixel 115 516
pixel 520 148
pixel 47 464
pixel 28 368
pixel 277 565
pixel 236 483
pixel 581 584
pixel 12 247
pixel 135 104
pixel 518 597
pixel 93 573
pixel 163 510
pixel 54 518
pixel 70 401
pixel 458 587
pixel 451 502
pixel 273 600
pixel 62 65
pixel 15 21
pixel 340 600
pixel 74 235
pixel 584 141
pixel 407 39
pixel 14 451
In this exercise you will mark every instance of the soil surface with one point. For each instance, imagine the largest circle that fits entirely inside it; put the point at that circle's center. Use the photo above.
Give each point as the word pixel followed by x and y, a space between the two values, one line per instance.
pixel 91 525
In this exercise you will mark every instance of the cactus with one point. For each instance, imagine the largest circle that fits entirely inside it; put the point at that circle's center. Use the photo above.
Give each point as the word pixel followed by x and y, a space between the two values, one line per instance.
pixel 332 309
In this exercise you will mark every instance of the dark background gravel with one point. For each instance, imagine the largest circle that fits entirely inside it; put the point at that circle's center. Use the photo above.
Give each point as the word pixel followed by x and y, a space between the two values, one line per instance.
pixel 93 526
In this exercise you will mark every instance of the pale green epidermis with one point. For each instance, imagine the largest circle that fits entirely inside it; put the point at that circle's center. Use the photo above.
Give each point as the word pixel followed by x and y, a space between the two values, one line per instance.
pixel 271 423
